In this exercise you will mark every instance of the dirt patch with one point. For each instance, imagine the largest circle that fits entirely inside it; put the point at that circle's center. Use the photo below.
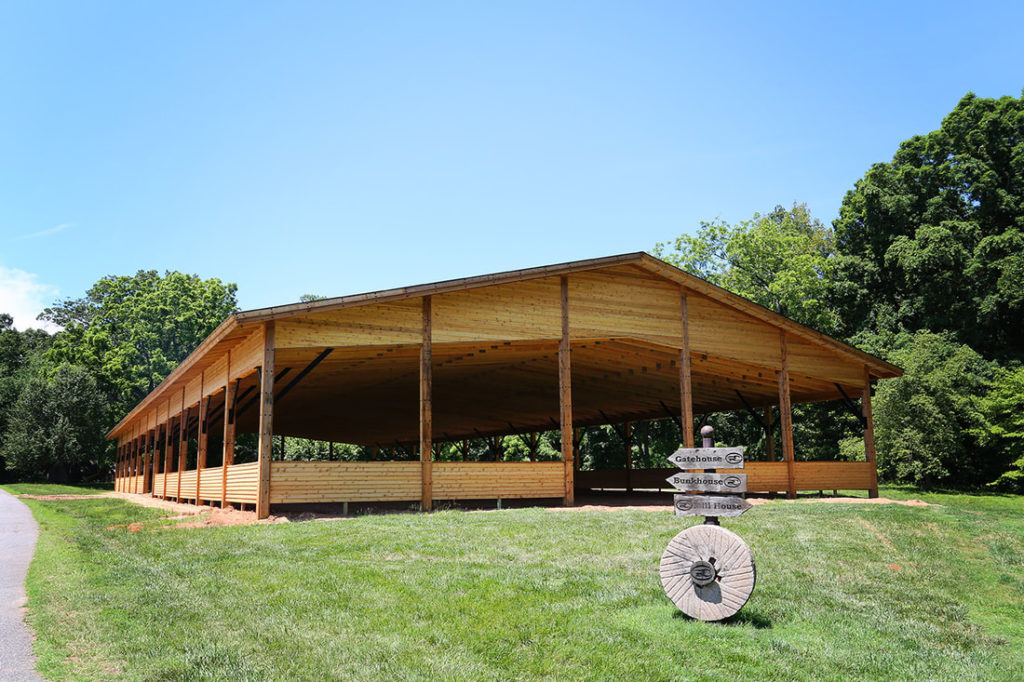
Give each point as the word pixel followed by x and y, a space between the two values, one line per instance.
pixel 878 534
pixel 201 517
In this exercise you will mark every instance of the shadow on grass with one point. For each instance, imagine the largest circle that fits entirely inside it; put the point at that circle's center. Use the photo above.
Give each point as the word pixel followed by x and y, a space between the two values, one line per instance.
pixel 749 617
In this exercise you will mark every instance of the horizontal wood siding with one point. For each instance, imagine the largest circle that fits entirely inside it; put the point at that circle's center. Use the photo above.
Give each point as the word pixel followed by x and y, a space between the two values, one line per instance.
pixel 762 477
pixel 369 325
pixel 210 483
pixel 247 355
pixel 833 475
pixel 243 482
pixel 507 312
pixel 188 484
pixel 490 480
pixel 306 482
pixel 622 302
pixel 158 484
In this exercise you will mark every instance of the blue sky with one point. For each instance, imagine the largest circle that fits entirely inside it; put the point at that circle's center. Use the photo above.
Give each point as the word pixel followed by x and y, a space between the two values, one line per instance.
pixel 335 147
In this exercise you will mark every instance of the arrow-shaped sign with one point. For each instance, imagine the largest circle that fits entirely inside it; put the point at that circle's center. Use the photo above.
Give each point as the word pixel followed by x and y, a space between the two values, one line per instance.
pixel 708 458
pixel 708 505
pixel 715 483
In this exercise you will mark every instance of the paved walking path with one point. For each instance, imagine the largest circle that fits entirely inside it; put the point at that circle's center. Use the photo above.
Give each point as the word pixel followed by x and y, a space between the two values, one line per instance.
pixel 18 532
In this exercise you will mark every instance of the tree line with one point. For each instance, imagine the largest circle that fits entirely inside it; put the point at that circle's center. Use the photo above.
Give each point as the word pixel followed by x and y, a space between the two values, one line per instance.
pixel 923 267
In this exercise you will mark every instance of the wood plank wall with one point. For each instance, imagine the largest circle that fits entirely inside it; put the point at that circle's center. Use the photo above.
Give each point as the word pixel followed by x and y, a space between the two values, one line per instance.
pixel 762 477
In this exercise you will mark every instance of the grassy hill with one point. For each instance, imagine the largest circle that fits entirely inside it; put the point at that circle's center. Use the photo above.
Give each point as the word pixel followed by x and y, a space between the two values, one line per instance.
pixel 844 591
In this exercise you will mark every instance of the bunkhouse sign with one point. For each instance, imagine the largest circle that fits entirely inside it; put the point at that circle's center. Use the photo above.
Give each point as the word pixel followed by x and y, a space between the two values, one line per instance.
pixel 712 483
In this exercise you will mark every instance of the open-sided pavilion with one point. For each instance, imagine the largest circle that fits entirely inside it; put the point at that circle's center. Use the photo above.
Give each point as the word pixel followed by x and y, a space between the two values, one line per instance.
pixel 608 340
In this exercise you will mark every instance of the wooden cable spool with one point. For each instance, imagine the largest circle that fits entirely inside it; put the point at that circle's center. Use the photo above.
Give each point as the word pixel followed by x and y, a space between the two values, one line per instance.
pixel 708 572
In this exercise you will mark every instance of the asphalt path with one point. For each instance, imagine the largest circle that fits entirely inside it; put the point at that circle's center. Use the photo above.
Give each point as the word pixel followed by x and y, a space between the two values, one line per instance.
pixel 18 533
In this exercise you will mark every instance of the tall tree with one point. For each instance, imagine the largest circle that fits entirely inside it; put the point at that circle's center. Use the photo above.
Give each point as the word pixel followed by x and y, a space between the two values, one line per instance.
pixel 131 332
pixel 56 428
pixel 20 359
pixel 781 260
pixel 934 239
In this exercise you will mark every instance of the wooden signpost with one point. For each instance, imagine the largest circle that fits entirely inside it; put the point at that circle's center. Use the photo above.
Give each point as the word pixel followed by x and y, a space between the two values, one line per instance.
pixel 708 571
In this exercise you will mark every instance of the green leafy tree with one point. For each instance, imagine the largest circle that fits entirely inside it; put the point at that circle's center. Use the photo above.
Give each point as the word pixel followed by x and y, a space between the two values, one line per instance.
pixel 131 332
pixel 1003 410
pixel 934 239
pixel 781 260
pixel 928 422
pixel 56 428
pixel 20 359
pixel 785 261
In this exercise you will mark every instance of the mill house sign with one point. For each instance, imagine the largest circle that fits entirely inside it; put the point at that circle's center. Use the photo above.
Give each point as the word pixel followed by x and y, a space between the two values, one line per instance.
pixel 708 571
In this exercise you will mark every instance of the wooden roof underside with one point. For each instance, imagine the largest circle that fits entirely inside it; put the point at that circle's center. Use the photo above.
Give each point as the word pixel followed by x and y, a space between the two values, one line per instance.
pixel 495 344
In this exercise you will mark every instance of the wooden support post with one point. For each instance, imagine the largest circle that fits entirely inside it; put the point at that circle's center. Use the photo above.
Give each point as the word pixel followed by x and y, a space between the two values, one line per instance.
pixel 685 384
pixel 203 439
pixel 627 440
pixel 786 417
pixel 769 434
pixel 565 397
pixel 182 444
pixel 228 448
pixel 498 454
pixel 266 438
pixel 135 463
pixel 869 432
pixel 577 450
pixel 426 408
pixel 147 448
pixel 168 448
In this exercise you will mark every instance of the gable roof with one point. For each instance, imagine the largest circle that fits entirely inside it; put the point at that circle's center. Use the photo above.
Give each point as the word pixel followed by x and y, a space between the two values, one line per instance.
pixel 252 318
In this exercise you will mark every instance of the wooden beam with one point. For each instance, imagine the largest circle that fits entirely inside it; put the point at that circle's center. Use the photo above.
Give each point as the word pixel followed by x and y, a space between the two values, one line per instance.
pixel 309 368
pixel 147 459
pixel 266 438
pixel 769 434
pixel 565 396
pixel 182 443
pixel 627 440
pixel 869 432
pixel 426 407
pixel 168 447
pixel 135 462
pixel 202 437
pixel 228 447
pixel 685 374
pixel 786 417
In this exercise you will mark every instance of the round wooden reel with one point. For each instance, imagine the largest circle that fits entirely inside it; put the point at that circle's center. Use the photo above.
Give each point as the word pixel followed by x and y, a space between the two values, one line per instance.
pixel 708 572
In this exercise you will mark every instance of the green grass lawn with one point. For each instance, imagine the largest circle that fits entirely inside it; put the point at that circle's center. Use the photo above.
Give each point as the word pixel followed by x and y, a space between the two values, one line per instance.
pixel 56 489
pixel 844 592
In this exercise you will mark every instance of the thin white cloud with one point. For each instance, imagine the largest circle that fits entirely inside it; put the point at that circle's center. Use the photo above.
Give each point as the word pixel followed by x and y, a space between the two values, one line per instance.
pixel 47 232
pixel 23 297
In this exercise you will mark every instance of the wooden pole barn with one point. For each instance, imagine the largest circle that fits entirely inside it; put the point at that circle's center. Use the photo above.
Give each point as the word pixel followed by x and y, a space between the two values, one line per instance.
pixel 609 340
